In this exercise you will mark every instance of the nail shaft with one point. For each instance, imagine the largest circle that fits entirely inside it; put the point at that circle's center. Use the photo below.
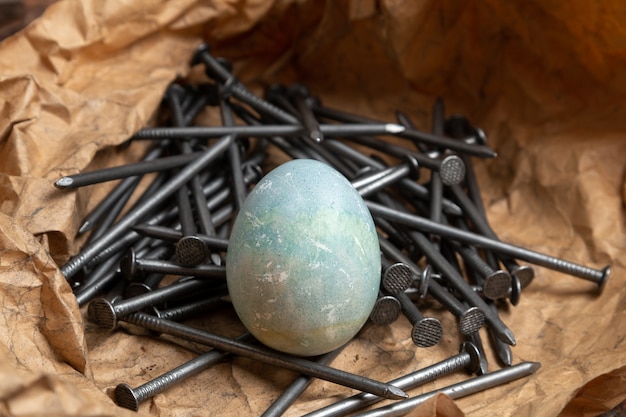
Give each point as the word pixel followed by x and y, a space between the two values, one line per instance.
pixel 131 398
pixel 124 171
pixel 598 276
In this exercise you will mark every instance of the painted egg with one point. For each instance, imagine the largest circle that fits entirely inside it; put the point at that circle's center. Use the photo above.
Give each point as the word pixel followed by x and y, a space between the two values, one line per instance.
pixel 303 262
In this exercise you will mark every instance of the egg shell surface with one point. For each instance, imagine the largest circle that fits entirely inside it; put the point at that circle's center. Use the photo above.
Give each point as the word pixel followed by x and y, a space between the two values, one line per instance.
pixel 303 261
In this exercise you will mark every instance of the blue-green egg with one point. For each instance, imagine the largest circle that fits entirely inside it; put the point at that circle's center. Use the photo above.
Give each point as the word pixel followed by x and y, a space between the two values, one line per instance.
pixel 303 261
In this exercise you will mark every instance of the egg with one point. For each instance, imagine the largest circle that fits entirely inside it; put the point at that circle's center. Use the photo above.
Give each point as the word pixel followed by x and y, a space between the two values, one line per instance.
pixel 303 261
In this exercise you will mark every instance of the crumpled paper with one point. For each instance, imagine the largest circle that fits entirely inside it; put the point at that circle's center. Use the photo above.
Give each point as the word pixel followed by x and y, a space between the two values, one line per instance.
pixel 545 81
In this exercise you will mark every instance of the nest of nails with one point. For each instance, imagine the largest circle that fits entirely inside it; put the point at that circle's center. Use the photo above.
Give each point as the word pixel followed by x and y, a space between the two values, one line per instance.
pixel 434 237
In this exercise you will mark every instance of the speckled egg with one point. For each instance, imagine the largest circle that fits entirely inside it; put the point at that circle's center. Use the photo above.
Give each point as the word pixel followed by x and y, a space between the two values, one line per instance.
pixel 303 262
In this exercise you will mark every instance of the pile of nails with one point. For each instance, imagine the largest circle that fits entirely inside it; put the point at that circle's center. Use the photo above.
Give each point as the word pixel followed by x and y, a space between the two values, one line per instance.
pixel 434 237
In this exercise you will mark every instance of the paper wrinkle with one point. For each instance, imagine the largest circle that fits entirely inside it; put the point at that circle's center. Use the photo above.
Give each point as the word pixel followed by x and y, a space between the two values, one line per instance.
pixel 545 81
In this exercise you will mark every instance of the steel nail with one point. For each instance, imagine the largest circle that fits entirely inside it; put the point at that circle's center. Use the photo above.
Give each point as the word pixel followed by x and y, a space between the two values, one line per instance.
pixel 370 184
pixel 239 91
pixel 126 171
pixel 268 130
pixel 475 339
pixel 458 390
pixel 299 94
pixel 173 235
pixel 426 331
pixel 130 398
pixel 598 276
pixel 413 134
pixel 502 350
pixel 130 266
pixel 495 284
pixel 265 355
pixel 467 359
pixel 106 315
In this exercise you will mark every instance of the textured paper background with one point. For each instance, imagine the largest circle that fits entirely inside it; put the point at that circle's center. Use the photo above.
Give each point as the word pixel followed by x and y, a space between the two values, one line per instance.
pixel 545 80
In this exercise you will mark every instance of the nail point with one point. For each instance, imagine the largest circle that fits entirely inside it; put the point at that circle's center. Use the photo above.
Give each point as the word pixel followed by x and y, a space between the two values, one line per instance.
pixel 394 128
pixel 64 182
pixel 395 393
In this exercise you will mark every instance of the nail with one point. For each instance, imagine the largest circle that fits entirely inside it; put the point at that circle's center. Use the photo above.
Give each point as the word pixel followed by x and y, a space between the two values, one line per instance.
pixel 458 390
pixel 216 70
pixel 207 132
pixel 376 181
pixel 130 398
pixel 125 171
pixel 467 359
pixel 173 235
pixel 523 273
pixel 502 350
pixel 515 291
pixel 121 227
pixel 598 276
pixel 131 266
pixel 197 252
pixel 205 95
pixel 495 284
pixel 268 356
pixel 234 155
pixel 106 315
pixel 426 331
pixel 459 128
pixel 190 250
pixel 299 95
pixel 436 180
pixel 499 284
pixel 475 339
pixel 413 134
pixel 405 121
pixel 277 95
pixel 398 238
pixel 476 214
